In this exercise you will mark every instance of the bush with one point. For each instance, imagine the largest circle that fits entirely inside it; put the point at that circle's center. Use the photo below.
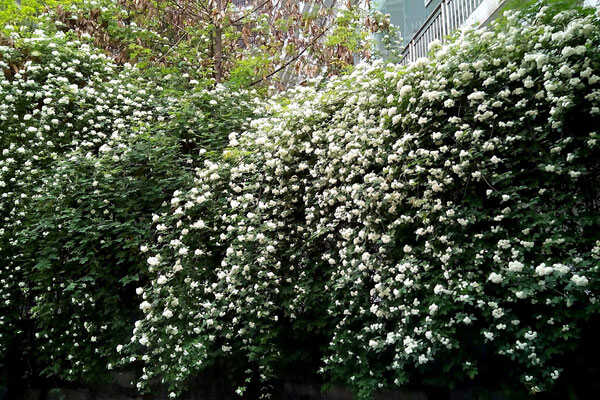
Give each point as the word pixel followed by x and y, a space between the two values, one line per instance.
pixel 421 221
pixel 13 13
pixel 82 254
pixel 61 98
pixel 90 151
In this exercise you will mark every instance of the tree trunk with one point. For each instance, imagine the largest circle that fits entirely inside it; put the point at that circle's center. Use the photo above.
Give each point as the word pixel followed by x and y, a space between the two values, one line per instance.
pixel 218 44
pixel 218 54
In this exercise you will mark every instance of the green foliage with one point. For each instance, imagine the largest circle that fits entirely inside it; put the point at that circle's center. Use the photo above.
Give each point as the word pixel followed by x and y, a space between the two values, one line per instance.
pixel 347 31
pixel 81 250
pixel 64 103
pixel 12 13
pixel 246 70
pixel 392 226
pixel 533 8
pixel 204 119
pixel 528 6
pixel 435 223
pixel 90 151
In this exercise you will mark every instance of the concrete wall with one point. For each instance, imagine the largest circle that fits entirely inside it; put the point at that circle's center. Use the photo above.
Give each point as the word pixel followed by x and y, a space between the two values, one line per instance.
pixel 214 387
pixel 408 15
pixel 290 391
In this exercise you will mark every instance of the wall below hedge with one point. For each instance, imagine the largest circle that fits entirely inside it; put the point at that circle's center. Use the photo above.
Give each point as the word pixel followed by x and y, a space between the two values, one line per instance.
pixel 291 391
pixel 581 382
pixel 211 388
pixel 219 390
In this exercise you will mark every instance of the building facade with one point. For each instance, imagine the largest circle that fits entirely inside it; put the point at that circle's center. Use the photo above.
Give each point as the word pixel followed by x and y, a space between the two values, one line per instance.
pixel 423 21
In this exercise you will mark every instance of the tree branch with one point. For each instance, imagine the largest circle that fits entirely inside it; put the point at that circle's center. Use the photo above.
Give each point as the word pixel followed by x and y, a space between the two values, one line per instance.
pixel 250 12
pixel 188 10
pixel 293 59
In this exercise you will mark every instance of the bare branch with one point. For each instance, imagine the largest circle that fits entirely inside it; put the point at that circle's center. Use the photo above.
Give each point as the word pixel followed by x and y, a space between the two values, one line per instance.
pixel 250 12
pixel 315 39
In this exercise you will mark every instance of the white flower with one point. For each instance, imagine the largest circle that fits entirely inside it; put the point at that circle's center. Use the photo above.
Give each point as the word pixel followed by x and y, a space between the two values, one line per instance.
pixel 543 270
pixel 530 335
pixel 154 261
pixel 438 289
pixel 521 294
pixel 161 280
pixel 476 96
pixel 145 306
pixel 579 280
pixel 404 90
pixel 198 224
pixel 435 45
pixel 561 269
pixel 515 266
pixel 449 103
pixel 495 278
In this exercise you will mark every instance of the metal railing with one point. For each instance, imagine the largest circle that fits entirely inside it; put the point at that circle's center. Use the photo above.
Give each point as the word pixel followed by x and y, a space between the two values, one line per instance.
pixel 447 17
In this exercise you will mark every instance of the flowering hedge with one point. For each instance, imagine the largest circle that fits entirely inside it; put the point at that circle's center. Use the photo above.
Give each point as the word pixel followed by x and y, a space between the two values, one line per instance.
pixel 392 226
pixel 90 150
pixel 417 219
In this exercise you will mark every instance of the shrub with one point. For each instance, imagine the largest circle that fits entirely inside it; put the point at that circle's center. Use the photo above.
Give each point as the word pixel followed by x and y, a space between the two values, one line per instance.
pixel 423 219
pixel 81 251
pixel 90 150
pixel 59 97
pixel 11 12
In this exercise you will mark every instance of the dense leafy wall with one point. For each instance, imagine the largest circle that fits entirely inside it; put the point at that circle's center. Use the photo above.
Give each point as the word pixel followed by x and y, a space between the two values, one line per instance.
pixel 396 225
pixel 417 221
pixel 90 150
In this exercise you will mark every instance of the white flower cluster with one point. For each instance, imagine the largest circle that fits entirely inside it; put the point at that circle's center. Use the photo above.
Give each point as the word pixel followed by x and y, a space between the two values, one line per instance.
pixel 61 100
pixel 418 211
pixel 75 131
